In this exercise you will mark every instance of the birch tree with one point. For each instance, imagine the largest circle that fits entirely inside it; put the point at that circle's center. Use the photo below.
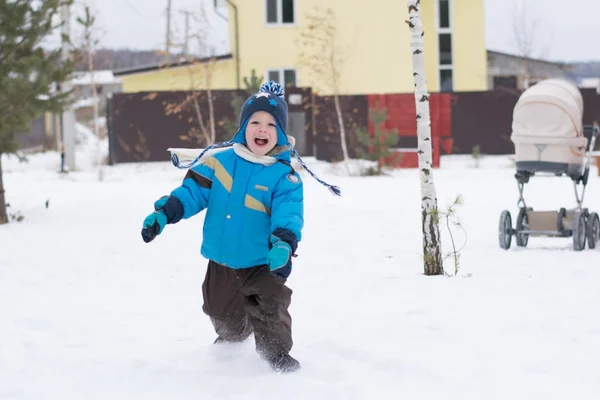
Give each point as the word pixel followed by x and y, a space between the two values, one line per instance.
pixel 432 248
pixel 527 36
pixel 208 68
pixel 324 58
pixel 200 75
pixel 89 46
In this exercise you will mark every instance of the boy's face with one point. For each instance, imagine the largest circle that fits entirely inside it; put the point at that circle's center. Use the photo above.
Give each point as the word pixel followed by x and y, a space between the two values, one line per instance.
pixel 261 133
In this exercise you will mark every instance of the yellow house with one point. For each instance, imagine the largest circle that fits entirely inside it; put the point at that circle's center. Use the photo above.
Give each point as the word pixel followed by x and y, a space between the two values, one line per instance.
pixel 264 36
pixel 180 75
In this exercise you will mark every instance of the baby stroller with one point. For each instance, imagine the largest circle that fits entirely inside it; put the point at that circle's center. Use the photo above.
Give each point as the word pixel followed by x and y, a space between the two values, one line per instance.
pixel 549 139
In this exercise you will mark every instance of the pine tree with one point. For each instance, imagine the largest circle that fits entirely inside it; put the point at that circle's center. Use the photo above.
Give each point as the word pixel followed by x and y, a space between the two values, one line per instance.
pixel 28 73
pixel 90 42
pixel 253 82
pixel 378 145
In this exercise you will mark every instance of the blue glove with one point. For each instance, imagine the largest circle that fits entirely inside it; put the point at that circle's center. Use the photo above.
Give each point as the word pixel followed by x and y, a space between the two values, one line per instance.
pixel 168 210
pixel 155 222
pixel 158 204
pixel 153 225
pixel 279 257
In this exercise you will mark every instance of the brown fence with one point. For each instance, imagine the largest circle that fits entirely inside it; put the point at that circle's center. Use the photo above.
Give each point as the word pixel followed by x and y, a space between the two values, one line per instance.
pixel 327 132
pixel 485 118
pixel 143 125
pixel 591 109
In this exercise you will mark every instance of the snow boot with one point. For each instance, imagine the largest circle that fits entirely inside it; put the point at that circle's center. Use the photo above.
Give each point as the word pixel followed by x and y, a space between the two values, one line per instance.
pixel 220 340
pixel 284 363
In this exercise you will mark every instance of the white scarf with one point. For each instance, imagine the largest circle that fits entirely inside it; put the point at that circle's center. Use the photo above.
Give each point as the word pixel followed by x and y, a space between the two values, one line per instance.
pixel 186 154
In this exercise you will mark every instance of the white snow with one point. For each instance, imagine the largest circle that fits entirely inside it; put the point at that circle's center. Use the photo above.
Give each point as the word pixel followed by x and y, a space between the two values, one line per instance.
pixel 589 83
pixel 89 311
pixel 101 77
pixel 85 102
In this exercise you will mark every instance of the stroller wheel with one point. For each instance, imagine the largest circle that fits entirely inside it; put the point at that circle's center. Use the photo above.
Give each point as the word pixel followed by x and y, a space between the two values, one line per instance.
pixel 593 230
pixel 505 230
pixel 522 224
pixel 579 231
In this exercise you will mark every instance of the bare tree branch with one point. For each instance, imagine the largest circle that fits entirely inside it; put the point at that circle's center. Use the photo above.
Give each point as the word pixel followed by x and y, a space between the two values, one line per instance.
pixel 528 37
pixel 199 72
pixel 324 58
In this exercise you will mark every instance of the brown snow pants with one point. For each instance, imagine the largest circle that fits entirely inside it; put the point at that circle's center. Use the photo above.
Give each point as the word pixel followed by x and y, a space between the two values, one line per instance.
pixel 242 301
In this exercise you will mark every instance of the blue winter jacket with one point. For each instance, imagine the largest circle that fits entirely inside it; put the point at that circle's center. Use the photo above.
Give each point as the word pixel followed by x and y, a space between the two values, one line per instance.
pixel 246 202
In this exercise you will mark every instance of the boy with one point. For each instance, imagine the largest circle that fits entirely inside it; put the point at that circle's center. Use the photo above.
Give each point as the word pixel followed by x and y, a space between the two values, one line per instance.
pixel 254 219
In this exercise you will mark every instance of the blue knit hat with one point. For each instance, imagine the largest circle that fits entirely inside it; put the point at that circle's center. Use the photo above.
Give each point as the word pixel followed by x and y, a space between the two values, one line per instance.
pixel 270 98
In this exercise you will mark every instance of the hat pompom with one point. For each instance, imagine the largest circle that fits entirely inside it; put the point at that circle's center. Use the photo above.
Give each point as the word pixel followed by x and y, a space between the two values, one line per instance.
pixel 273 88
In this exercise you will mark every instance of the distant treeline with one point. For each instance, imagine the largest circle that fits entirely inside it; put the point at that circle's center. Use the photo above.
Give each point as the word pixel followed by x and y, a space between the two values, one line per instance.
pixel 109 59
pixel 126 58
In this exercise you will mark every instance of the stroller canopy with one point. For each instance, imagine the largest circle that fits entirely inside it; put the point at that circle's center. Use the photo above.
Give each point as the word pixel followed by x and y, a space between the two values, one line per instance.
pixel 551 110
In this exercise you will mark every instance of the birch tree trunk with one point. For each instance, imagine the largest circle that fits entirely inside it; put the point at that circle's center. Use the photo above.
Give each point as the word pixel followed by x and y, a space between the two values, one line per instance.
pixel 211 116
pixel 89 43
pixel 96 101
pixel 432 252
pixel 208 71
pixel 338 111
pixel 334 67
pixel 94 90
pixel 324 57
pixel 203 129
pixel 3 213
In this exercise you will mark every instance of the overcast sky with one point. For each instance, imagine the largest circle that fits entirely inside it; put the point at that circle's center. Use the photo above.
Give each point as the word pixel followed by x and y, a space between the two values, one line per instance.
pixel 563 25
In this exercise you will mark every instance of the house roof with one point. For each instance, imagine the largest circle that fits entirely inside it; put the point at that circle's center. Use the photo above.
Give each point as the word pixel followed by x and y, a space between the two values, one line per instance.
pixel 499 53
pixel 593 83
pixel 101 77
pixel 175 64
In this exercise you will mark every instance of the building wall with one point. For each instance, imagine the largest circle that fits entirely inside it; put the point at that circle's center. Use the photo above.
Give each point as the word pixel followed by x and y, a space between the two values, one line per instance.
pixel 468 45
pixel 377 41
pixel 86 92
pixel 191 77
pixel 41 134
pixel 506 65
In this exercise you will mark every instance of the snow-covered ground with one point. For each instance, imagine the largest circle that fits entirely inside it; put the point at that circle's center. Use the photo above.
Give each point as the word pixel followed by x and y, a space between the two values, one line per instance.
pixel 89 311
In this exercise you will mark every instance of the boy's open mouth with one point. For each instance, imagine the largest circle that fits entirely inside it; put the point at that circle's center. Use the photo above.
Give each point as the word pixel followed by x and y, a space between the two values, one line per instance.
pixel 261 141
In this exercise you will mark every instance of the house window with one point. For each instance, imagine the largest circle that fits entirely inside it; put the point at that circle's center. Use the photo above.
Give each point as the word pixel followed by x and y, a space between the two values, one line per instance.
pixel 274 75
pixel 445 45
pixel 289 77
pixel 444 13
pixel 287 11
pixel 284 76
pixel 444 33
pixel 508 82
pixel 446 80
pixel 280 11
pixel 272 13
